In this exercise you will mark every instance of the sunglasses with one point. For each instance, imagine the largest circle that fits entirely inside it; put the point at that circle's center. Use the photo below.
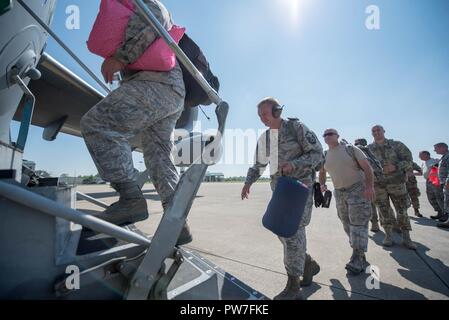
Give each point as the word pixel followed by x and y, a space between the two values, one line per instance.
pixel 329 134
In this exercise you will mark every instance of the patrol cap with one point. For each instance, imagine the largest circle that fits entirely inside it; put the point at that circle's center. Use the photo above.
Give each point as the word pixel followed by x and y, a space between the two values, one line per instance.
pixel 361 142
pixel 330 131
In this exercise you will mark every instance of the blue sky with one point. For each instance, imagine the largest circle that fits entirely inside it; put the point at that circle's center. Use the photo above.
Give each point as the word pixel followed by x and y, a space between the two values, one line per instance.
pixel 316 56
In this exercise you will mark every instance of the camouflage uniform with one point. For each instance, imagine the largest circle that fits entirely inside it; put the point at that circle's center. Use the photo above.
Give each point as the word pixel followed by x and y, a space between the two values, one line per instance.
pixel 435 196
pixel 354 211
pixel 300 147
pixel 434 193
pixel 412 186
pixel 353 208
pixel 146 105
pixel 374 215
pixel 443 175
pixel 392 186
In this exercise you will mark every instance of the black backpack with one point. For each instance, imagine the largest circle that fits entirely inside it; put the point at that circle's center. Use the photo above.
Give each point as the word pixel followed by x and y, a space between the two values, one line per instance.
pixel 195 95
pixel 373 161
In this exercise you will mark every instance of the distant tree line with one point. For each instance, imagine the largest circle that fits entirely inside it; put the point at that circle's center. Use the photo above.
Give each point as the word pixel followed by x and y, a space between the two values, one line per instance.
pixel 66 178
pixel 242 179
pixel 95 179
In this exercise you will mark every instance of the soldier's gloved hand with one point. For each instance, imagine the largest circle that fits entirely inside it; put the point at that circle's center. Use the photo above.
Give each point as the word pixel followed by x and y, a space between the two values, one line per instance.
pixel 110 67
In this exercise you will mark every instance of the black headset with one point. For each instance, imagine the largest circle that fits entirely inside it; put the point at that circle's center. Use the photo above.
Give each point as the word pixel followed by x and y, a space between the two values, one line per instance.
pixel 277 111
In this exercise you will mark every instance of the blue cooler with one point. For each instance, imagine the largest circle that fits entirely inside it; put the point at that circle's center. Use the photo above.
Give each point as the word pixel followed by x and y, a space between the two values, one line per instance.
pixel 286 208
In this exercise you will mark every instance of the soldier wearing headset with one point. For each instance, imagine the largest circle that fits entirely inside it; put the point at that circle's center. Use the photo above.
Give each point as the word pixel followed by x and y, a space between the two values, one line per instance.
pixel 292 150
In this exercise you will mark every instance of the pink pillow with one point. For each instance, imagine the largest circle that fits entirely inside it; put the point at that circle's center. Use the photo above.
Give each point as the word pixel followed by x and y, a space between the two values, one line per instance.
pixel 159 56
pixel 108 34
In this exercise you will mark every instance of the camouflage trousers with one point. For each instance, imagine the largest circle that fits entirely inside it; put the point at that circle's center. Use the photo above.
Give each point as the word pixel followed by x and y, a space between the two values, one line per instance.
pixel 435 195
pixel 398 194
pixel 143 109
pixel 295 247
pixel 413 191
pixel 374 215
pixel 354 211
pixel 446 200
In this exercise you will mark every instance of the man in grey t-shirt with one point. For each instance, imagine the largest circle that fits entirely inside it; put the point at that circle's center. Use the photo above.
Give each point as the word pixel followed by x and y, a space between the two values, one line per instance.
pixel 353 179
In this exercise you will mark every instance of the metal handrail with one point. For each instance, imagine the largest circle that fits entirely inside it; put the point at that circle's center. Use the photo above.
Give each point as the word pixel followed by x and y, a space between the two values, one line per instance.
pixel 30 199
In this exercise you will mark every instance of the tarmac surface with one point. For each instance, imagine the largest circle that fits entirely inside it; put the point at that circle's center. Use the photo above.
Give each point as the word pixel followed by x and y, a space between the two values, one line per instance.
pixel 229 232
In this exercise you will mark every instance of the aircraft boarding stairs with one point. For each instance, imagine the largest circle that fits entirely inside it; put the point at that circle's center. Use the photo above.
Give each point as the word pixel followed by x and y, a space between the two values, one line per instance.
pixel 49 250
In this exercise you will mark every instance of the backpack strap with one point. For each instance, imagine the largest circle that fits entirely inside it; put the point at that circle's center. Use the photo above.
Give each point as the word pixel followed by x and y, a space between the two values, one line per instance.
pixel 350 150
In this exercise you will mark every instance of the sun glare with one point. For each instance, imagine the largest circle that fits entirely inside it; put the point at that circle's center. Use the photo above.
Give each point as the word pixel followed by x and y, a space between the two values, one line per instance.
pixel 294 7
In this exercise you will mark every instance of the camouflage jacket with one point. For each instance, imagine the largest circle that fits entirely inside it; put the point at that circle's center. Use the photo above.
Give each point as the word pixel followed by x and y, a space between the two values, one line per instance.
pixel 296 144
pixel 443 170
pixel 395 153
pixel 139 35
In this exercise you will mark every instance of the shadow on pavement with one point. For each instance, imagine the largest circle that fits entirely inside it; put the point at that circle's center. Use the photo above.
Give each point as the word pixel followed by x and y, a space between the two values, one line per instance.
pixel 359 291
pixel 412 271
pixel 310 290
pixel 436 266
pixel 428 223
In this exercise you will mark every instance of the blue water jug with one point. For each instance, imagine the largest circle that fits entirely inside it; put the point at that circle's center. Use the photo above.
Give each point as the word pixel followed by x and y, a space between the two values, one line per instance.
pixel 286 208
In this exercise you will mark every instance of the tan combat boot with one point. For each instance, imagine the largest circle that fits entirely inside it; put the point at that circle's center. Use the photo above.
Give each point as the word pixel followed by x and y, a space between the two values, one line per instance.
pixel 185 237
pixel 438 216
pixel 417 213
pixel 292 290
pixel 388 240
pixel 443 224
pixel 130 208
pixel 406 241
pixel 358 263
pixel 311 269
pixel 375 226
